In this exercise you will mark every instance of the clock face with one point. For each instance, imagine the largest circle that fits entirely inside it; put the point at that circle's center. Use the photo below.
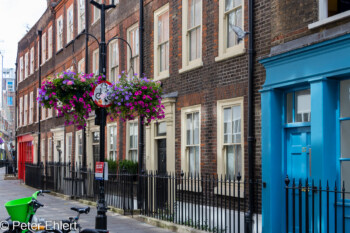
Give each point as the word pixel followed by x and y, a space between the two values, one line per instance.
pixel 100 94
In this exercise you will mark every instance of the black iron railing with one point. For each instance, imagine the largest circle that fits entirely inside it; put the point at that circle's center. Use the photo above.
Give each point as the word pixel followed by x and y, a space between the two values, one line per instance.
pixel 206 202
pixel 34 175
pixel 316 207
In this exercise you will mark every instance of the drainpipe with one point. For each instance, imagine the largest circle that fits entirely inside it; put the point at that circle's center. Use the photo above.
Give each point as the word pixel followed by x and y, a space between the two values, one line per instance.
pixel 39 109
pixel 141 128
pixel 16 106
pixel 86 71
pixel 251 138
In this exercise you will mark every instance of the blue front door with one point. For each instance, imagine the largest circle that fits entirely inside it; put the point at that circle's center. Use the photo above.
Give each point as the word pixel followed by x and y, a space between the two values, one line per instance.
pixel 298 156
pixel 298 153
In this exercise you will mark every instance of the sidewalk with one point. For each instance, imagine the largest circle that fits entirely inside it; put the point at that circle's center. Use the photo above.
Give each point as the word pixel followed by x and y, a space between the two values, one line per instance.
pixel 57 209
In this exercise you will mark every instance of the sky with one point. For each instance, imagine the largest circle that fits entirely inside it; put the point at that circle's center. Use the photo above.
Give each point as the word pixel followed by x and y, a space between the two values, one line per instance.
pixel 16 17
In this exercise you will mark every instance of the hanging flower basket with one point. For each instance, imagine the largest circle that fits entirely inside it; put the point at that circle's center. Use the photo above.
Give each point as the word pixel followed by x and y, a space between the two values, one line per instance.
pixel 69 94
pixel 133 96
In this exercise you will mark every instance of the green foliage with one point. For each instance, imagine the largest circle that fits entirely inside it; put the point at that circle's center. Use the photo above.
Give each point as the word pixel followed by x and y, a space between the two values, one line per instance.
pixel 128 165
pixel 112 166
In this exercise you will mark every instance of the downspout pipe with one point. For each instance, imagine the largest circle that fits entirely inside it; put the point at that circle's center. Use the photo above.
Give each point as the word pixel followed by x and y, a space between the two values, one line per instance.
pixel 86 72
pixel 141 128
pixel 251 137
pixel 39 109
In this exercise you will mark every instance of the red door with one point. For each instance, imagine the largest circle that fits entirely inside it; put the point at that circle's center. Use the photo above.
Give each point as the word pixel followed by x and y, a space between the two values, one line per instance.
pixel 25 154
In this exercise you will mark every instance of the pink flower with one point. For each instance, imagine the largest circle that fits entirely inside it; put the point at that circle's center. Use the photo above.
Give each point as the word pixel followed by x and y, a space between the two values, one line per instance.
pixel 82 79
pixel 69 83
pixel 53 93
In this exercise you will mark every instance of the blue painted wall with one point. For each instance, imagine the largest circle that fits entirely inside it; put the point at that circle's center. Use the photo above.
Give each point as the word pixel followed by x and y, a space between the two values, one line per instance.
pixel 318 67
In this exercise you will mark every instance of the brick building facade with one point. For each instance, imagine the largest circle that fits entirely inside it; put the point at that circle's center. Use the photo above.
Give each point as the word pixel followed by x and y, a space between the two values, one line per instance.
pixel 199 87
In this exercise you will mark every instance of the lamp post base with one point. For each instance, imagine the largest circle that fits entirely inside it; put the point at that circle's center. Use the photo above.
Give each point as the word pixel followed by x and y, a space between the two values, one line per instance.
pixel 101 220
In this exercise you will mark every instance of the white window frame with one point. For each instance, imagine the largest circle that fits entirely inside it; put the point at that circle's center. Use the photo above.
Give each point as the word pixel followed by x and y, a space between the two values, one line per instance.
pixel 59 37
pixel 69 147
pixel 25 107
pixel 43 113
pixel 49 150
pixel 20 111
pixel 70 23
pixel 113 66
pixel 21 67
pixel 159 75
pixel 43 50
pixel 26 64
pixel 188 65
pixel 97 13
pixel 80 63
pixel 43 150
pixel 128 149
pixel 32 60
pixel 224 51
pixel 78 157
pixel 323 18
pixel 135 53
pixel 49 113
pixel 50 47
pixel 184 154
pixel 221 157
pixel 110 126
pixel 95 55
pixel 81 15
pixel 221 148
pixel 31 103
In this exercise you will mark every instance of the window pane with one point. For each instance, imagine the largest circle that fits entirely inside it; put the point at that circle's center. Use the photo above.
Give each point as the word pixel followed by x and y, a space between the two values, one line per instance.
pixel 196 128
pixel 302 106
pixel 192 161
pixel 136 134
pixel 344 140
pixel 197 159
pixel 190 14
pixel 131 131
pixel 161 129
pixel 238 159
pixel 289 108
pixel 227 125
pixel 189 129
pixel 345 176
pixel 228 5
pixel 197 12
pixel 229 162
pixel 345 98
pixel 236 129
pixel 195 43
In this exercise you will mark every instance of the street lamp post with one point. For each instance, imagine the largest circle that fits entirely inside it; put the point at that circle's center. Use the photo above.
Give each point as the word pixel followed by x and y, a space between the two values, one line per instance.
pixel 101 218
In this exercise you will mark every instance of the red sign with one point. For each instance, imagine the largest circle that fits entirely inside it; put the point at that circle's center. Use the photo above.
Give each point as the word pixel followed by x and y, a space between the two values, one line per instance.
pixel 100 94
pixel 99 170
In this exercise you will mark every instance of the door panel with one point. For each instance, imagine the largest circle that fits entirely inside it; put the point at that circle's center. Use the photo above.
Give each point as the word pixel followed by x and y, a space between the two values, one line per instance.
pixel 298 153
pixel 162 184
